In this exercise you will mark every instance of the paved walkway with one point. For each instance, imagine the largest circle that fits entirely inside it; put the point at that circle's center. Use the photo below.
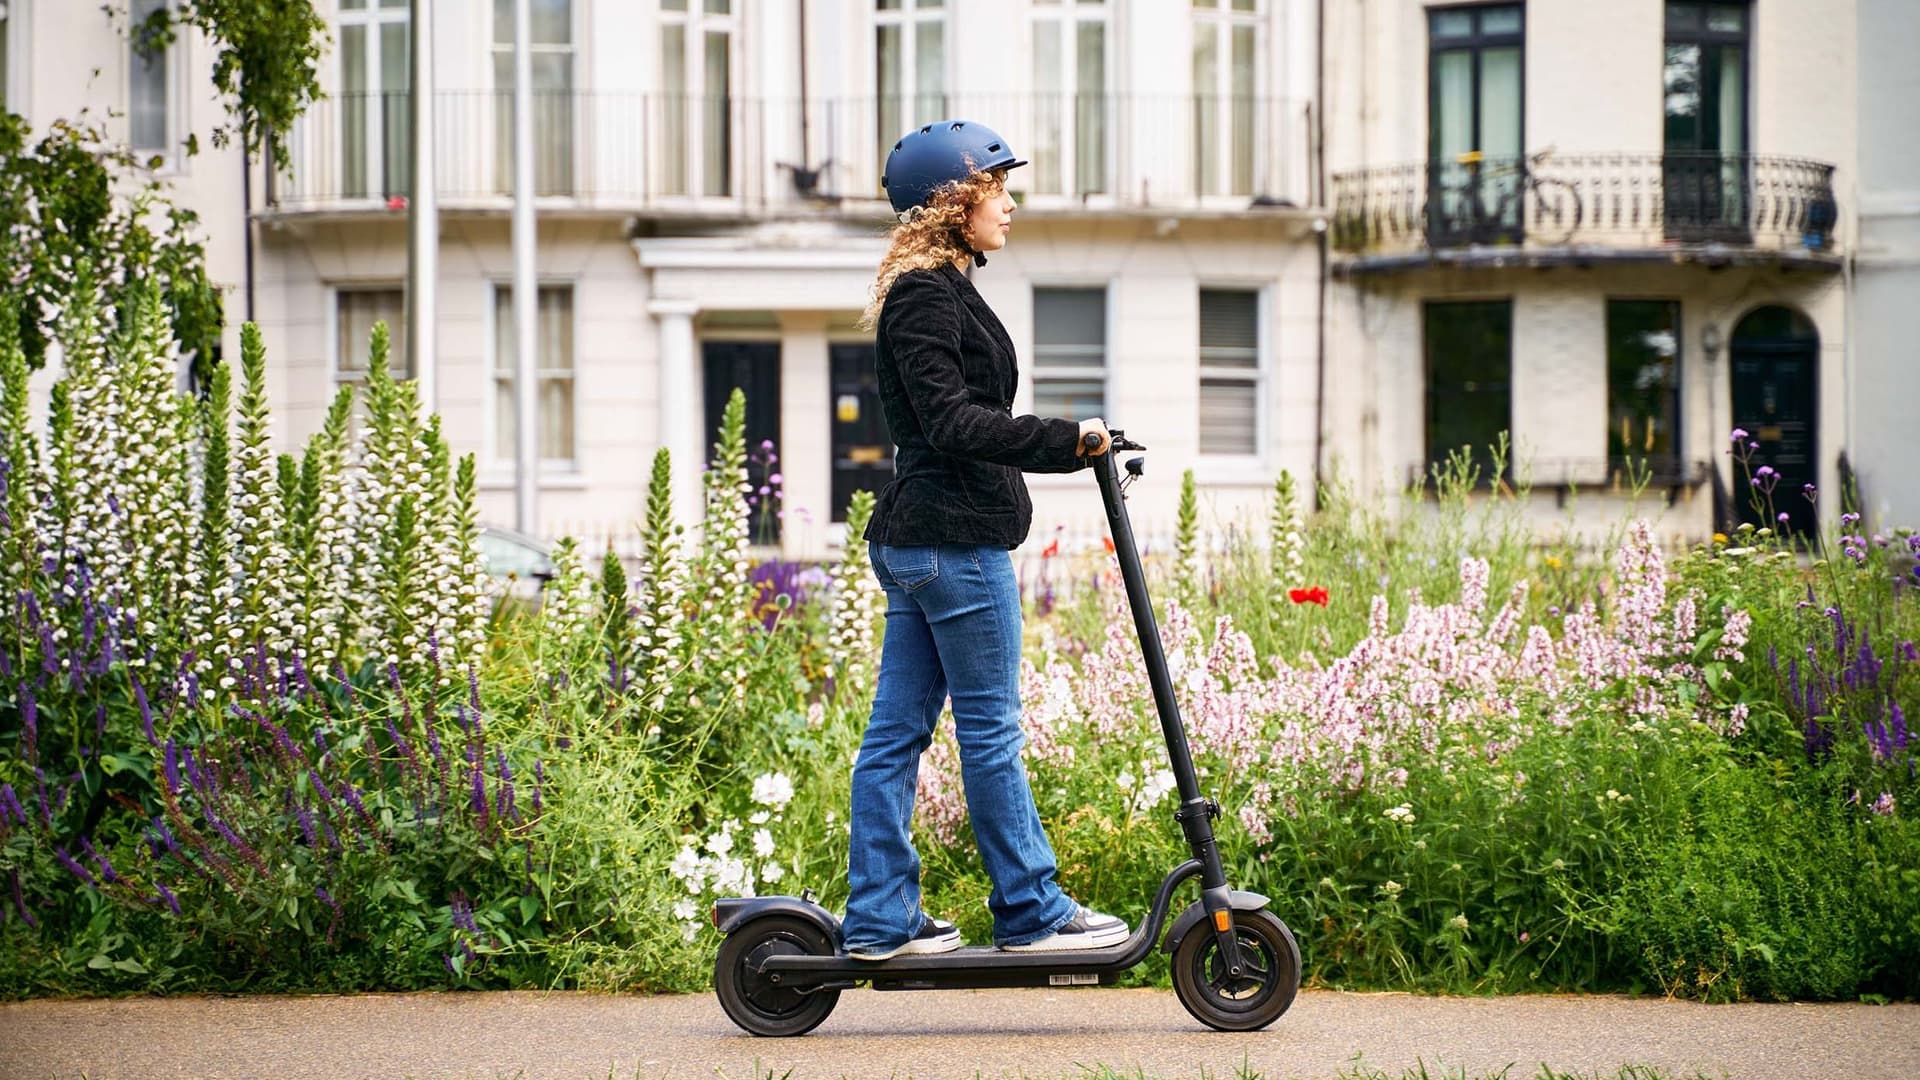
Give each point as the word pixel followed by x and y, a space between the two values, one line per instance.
pixel 1040 1034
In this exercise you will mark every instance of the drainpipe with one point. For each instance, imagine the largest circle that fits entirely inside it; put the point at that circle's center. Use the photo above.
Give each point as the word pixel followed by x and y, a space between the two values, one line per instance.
pixel 1320 227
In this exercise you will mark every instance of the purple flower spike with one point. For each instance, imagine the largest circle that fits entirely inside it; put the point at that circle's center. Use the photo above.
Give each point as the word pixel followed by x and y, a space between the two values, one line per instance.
pixel 166 894
pixel 479 800
pixel 146 711
pixel 79 871
pixel 20 901
pixel 1810 492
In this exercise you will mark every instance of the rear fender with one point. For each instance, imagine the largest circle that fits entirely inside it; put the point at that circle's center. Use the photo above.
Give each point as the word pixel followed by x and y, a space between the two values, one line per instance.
pixel 733 912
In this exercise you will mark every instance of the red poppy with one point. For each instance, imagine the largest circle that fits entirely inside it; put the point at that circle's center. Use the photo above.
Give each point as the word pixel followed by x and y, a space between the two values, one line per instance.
pixel 1107 540
pixel 1051 550
pixel 1315 595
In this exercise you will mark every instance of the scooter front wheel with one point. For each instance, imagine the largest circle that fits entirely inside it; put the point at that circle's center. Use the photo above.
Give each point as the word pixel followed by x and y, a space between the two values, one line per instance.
pixel 758 1004
pixel 1269 974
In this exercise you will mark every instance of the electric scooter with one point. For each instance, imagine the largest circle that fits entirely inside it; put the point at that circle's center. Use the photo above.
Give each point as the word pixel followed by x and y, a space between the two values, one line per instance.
pixel 1235 964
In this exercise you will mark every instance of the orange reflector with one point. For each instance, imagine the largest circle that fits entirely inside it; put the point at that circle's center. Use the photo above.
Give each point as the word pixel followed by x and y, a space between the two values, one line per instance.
pixel 1223 921
pixel 716 916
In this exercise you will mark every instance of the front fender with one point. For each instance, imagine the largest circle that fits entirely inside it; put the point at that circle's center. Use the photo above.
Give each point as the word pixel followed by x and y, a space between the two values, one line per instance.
pixel 1195 914
pixel 733 912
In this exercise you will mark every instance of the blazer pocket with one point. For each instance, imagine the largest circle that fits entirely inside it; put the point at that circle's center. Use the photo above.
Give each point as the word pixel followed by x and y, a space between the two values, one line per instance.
pixel 913 565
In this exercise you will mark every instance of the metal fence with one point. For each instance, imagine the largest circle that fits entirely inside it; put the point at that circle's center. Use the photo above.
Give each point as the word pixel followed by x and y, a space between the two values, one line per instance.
pixel 1745 200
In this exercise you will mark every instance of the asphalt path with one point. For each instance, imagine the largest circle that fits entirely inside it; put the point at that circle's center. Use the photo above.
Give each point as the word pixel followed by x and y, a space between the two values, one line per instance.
pixel 953 1033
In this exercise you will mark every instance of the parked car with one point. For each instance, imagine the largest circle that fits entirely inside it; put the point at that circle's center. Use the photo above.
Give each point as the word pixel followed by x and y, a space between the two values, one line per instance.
pixel 520 564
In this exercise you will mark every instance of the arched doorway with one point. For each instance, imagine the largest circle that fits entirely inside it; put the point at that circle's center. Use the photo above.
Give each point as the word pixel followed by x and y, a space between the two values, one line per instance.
pixel 1775 368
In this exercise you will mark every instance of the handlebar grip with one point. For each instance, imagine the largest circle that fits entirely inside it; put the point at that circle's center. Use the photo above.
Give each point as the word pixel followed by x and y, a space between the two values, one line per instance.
pixel 1091 441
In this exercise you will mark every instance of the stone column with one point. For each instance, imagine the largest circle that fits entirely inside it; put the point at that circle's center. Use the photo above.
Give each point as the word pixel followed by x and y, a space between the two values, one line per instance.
pixel 681 411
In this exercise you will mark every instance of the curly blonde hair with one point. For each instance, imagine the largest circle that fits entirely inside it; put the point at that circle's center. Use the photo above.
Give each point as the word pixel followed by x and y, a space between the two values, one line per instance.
pixel 933 234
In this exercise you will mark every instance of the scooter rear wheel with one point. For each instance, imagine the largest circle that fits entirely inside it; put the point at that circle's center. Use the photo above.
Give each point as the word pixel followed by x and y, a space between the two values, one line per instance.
pixel 753 1001
pixel 1269 977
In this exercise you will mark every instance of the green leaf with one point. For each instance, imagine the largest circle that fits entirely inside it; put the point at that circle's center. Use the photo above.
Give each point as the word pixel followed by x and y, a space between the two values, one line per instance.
pixel 109 764
pixel 528 906
pixel 131 967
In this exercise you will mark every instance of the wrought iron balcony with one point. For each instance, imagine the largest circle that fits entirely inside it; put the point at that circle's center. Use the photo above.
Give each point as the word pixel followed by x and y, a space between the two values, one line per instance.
pixel 729 156
pixel 1588 206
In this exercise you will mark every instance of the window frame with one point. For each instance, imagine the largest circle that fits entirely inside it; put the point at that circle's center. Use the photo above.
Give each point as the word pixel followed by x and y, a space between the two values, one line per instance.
pixel 501 159
pixel 696 22
pixel 1069 16
pixel 908 18
pixel 1428 458
pixel 501 459
pixel 1221 19
pixel 1260 375
pixel 1106 369
pixel 173 82
pixel 1676 456
pixel 373 17
pixel 336 377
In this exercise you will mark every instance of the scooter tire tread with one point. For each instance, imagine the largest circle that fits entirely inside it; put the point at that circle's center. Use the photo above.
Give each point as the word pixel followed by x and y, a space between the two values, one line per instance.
pixel 1190 984
pixel 734 981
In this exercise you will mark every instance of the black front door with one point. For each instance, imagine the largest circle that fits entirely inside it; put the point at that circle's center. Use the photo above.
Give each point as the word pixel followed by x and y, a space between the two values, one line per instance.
pixel 754 367
pixel 1776 374
pixel 862 450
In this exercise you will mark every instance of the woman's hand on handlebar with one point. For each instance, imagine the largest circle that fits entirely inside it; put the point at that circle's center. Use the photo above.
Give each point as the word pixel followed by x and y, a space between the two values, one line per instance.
pixel 1094 438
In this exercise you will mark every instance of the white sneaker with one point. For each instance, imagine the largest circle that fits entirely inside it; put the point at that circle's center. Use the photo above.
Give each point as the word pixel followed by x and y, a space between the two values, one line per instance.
pixel 1088 929
pixel 935 936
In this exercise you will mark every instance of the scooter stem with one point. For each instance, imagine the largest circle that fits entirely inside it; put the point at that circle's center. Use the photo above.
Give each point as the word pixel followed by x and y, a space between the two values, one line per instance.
pixel 1196 811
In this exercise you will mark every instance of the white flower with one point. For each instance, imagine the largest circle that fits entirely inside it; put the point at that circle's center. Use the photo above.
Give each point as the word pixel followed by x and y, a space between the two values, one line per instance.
pixel 686 865
pixel 1391 888
pixel 773 789
pixel 762 843
pixel 759 817
pixel 1402 814
pixel 771 873
pixel 684 910
pixel 1458 922
pixel 721 842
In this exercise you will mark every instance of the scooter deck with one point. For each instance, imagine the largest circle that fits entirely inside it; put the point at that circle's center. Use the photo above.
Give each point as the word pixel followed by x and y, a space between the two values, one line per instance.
pixel 967 966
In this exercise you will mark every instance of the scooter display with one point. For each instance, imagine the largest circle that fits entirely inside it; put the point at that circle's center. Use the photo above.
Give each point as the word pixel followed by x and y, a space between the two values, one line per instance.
pixel 1235 965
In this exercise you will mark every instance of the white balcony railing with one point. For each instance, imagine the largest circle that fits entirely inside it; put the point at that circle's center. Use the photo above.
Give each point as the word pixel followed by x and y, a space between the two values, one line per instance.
pixel 675 153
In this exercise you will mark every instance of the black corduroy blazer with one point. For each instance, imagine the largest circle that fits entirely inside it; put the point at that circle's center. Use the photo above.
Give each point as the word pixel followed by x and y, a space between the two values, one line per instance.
pixel 947 373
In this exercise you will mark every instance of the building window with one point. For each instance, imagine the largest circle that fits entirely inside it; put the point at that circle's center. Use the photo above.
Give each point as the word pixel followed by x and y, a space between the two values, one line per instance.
pixel 1643 386
pixel 910 66
pixel 1230 371
pixel 696 83
pixel 375 120
pixel 149 84
pixel 1704 86
pixel 551 58
pixel 1226 75
pixel 1070 352
pixel 553 364
pixel 1469 348
pixel 355 312
pixel 1476 108
pixel 1070 97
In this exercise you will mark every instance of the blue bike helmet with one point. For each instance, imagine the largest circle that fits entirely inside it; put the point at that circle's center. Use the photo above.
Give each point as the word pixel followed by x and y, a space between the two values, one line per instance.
pixel 940 153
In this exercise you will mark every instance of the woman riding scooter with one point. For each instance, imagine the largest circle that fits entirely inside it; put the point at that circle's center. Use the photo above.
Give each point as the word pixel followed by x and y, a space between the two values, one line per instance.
pixel 939 539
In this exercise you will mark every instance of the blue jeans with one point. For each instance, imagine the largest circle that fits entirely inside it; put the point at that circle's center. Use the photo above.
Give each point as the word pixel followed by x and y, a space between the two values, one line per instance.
pixel 953 628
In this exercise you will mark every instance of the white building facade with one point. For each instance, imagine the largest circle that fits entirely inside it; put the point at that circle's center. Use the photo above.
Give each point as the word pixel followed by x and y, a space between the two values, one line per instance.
pixel 1257 234
pixel 710 215
pixel 1618 231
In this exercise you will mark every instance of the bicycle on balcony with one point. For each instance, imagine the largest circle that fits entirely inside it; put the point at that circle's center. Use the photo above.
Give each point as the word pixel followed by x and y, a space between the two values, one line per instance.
pixel 1525 204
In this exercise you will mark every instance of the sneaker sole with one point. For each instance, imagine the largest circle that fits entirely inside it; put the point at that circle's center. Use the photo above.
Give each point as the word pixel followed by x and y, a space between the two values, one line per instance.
pixel 915 947
pixel 1092 939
